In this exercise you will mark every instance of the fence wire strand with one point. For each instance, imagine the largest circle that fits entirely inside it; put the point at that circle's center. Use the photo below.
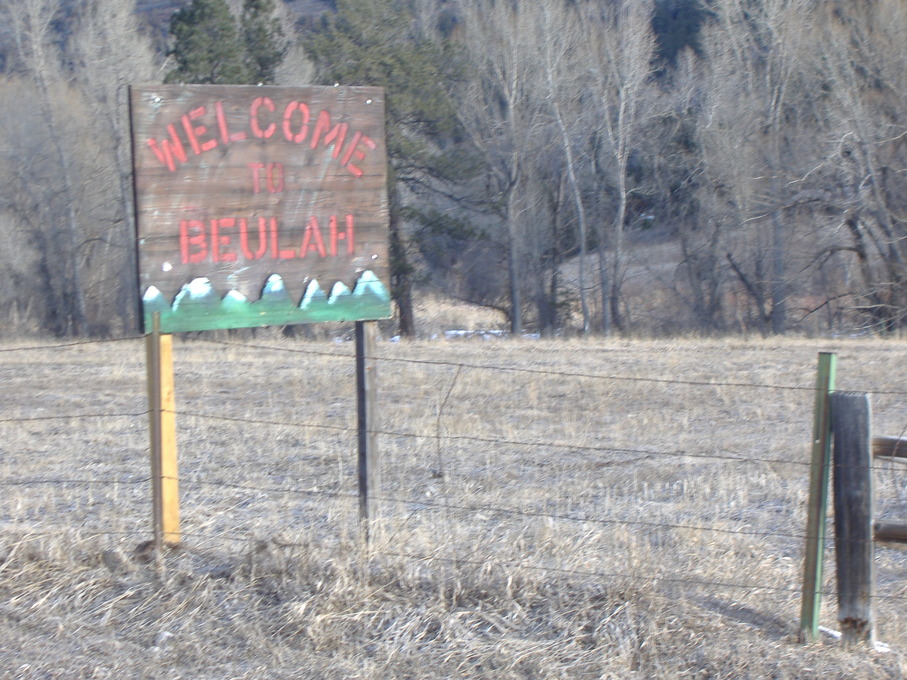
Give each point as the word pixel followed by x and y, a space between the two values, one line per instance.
pixel 439 437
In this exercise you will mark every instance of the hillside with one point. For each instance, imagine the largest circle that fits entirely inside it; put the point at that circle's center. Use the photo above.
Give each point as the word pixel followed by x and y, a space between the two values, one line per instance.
pixel 616 167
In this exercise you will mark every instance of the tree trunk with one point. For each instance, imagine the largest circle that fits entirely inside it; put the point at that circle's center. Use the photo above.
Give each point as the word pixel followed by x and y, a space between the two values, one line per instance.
pixel 779 273
pixel 580 208
pixel 513 264
pixel 604 283
pixel 400 268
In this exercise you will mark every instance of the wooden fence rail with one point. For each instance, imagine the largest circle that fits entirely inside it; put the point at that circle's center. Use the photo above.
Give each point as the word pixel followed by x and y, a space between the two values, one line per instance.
pixel 889 447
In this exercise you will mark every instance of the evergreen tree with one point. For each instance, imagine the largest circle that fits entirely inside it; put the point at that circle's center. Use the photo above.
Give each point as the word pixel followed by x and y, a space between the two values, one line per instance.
pixel 376 42
pixel 209 46
pixel 206 45
pixel 677 24
pixel 263 40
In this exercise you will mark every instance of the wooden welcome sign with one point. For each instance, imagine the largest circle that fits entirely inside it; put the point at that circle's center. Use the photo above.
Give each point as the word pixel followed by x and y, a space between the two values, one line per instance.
pixel 260 205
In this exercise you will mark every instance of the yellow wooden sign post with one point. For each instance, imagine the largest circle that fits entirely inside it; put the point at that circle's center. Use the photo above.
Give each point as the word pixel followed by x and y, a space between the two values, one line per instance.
pixel 162 419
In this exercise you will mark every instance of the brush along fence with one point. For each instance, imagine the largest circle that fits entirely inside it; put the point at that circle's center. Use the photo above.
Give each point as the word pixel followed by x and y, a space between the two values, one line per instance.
pixel 491 458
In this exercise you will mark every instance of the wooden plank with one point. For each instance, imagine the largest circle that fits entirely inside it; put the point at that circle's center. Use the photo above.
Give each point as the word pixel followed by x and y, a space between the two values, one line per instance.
pixel 366 396
pixel 237 184
pixel 853 503
pixel 889 447
pixel 817 510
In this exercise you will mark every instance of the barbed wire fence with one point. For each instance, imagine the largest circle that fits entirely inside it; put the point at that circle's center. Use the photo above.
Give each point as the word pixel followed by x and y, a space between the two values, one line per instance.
pixel 485 464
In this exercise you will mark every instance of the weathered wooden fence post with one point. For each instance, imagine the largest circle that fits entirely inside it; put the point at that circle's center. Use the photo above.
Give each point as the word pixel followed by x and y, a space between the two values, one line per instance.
pixel 817 511
pixel 366 388
pixel 853 503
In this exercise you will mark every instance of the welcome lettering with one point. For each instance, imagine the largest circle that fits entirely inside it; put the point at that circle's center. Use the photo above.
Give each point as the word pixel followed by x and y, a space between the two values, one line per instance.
pixel 206 128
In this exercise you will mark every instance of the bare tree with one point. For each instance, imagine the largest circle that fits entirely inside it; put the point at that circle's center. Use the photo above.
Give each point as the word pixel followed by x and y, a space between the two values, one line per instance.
pixel 498 112
pixel 620 35
pixel 110 53
pixel 557 26
pixel 72 196
pixel 699 279
pixel 759 105
pixel 37 60
pixel 859 53
pixel 560 36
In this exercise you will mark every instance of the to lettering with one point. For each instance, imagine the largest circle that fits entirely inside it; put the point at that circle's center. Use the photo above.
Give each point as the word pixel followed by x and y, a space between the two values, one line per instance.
pixel 274 177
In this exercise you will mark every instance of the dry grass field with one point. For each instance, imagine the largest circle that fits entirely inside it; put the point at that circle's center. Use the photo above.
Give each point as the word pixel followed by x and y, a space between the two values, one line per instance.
pixel 550 509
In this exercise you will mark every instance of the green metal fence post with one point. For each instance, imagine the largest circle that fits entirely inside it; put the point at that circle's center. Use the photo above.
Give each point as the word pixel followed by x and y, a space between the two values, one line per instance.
pixel 817 511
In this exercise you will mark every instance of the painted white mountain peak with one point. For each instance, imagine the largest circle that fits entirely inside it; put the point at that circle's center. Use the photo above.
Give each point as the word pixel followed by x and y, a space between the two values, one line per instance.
pixel 234 302
pixel 340 290
pixel 197 291
pixel 275 292
pixel 313 295
pixel 369 284
pixel 152 295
